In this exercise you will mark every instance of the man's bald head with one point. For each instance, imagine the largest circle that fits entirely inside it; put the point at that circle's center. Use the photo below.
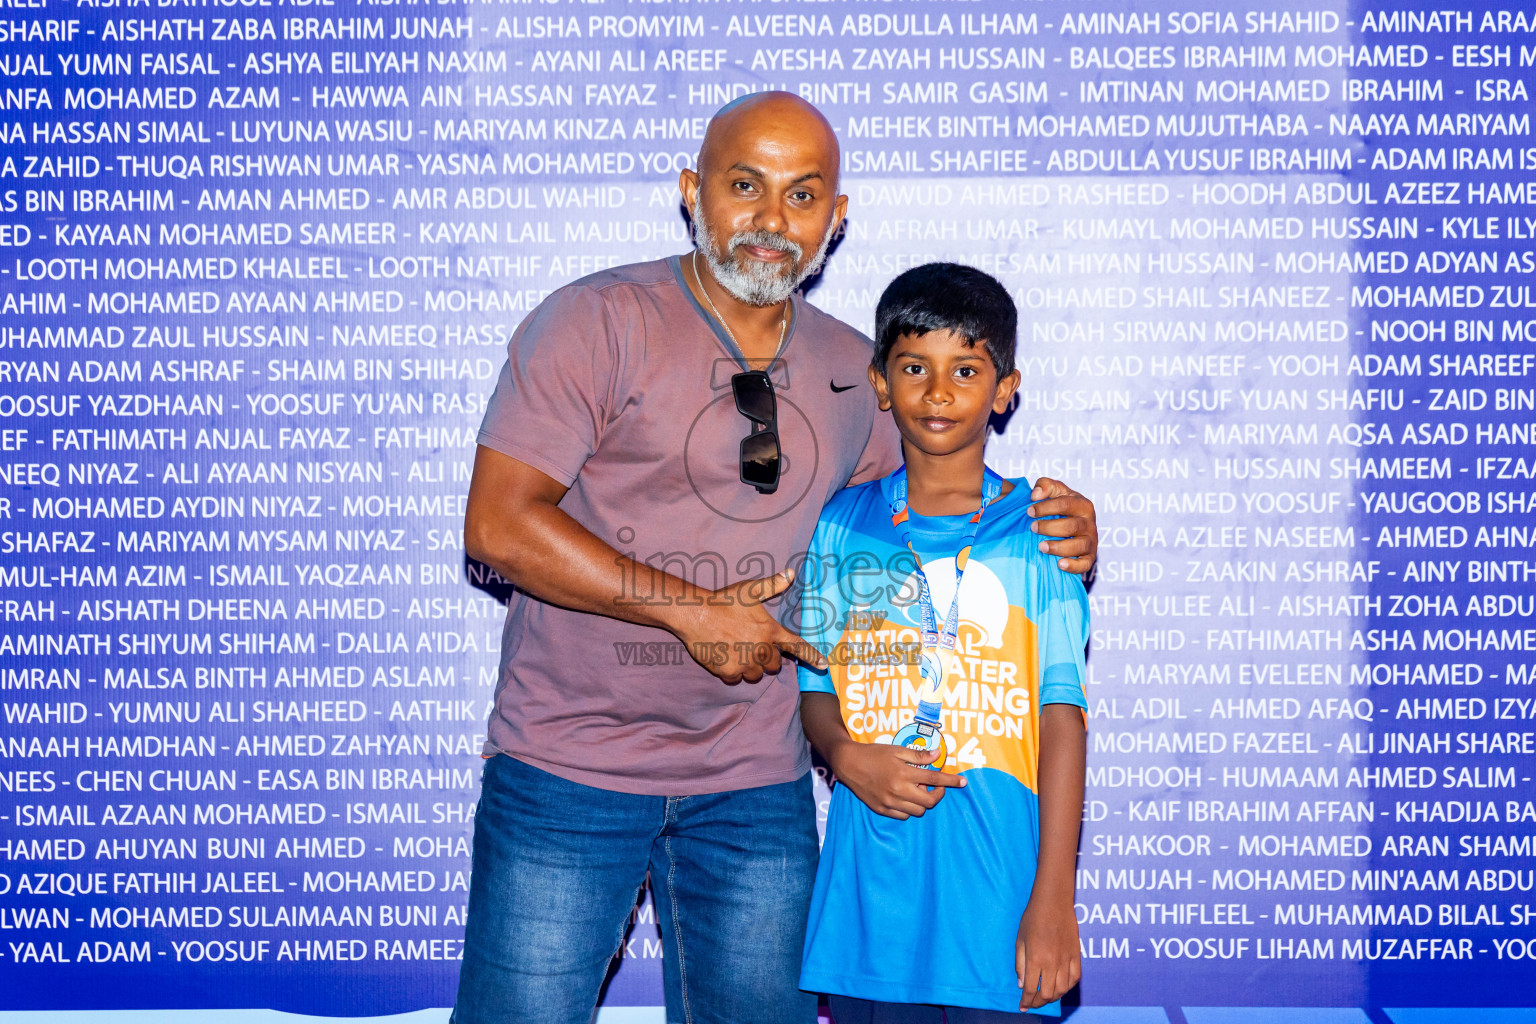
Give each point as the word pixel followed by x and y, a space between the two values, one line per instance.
pixel 778 117
pixel 764 199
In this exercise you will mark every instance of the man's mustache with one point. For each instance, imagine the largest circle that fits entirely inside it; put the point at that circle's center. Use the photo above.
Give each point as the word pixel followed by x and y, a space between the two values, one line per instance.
pixel 765 240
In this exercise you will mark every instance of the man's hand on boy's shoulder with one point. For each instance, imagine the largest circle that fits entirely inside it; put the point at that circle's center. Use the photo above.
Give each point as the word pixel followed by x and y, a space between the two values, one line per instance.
pixel 1047 955
pixel 884 777
pixel 1078 548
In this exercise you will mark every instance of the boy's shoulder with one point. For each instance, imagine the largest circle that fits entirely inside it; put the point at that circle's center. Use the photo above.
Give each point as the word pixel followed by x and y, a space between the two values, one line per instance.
pixel 852 520
pixel 1035 577
pixel 851 503
pixel 1010 524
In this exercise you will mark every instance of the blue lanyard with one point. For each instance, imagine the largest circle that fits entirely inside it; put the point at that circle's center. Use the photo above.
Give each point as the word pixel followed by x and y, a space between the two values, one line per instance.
pixel 940 642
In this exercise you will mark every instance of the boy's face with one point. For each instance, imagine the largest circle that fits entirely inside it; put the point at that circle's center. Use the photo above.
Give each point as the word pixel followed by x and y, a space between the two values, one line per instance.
pixel 941 391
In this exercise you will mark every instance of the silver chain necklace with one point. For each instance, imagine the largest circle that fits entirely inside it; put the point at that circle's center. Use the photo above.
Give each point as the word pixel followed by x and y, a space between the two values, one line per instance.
pixel 783 317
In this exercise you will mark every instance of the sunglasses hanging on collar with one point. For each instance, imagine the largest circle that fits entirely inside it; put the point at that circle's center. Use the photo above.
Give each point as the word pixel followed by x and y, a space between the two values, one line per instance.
pixel 760 455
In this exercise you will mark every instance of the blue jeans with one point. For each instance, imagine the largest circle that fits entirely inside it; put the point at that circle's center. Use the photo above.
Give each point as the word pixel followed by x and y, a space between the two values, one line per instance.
pixel 558 867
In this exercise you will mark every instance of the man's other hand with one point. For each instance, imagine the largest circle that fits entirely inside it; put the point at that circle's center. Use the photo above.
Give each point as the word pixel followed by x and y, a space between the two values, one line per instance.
pixel 1078 549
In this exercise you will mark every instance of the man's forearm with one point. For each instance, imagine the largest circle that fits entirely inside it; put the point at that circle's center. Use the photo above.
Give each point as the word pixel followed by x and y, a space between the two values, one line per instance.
pixel 556 559
pixel 1063 762
pixel 514 524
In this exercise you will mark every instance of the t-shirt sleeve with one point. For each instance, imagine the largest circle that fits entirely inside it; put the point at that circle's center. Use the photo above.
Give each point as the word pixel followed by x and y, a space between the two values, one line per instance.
pixel 1063 632
pixel 818 609
pixel 554 394
pixel 882 452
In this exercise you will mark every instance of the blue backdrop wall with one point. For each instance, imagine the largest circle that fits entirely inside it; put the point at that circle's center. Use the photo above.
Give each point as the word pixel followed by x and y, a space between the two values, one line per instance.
pixel 260 262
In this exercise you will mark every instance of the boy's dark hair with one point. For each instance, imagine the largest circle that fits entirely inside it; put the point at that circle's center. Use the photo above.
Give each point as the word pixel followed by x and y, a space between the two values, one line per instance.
pixel 948 297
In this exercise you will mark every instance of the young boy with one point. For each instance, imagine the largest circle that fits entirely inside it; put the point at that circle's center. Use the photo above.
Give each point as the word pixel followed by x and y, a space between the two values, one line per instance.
pixel 956 652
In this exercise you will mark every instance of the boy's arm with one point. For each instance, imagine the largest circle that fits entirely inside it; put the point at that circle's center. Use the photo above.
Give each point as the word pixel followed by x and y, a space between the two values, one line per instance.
pixel 1047 954
pixel 880 774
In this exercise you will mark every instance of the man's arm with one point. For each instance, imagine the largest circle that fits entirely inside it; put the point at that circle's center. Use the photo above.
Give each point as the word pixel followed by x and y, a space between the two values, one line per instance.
pixel 1047 955
pixel 880 774
pixel 1079 549
pixel 513 523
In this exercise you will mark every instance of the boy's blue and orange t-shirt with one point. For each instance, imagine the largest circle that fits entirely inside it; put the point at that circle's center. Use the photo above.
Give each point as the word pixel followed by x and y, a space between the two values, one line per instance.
pixel 927 910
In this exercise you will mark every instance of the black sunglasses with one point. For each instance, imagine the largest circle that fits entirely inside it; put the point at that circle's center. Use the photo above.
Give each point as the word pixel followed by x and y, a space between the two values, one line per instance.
pixel 760 456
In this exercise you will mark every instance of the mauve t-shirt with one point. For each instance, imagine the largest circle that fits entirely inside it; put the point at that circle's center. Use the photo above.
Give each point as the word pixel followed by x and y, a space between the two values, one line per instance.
pixel 619 386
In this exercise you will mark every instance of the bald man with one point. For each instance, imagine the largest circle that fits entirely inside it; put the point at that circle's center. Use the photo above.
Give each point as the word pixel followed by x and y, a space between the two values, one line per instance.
pixel 655 456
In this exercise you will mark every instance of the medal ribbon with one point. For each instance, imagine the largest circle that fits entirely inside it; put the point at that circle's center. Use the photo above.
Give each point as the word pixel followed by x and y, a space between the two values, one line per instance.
pixel 941 642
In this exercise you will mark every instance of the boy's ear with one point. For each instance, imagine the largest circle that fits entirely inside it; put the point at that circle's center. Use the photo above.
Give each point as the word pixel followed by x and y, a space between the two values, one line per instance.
pixel 1006 387
pixel 882 388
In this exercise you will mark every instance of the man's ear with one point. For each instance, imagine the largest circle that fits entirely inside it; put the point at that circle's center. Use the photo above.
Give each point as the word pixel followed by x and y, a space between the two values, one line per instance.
pixel 688 185
pixel 1005 391
pixel 882 388
pixel 839 211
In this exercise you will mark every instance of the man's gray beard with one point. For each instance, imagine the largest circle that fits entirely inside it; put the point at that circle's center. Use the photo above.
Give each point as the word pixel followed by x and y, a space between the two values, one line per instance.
pixel 752 281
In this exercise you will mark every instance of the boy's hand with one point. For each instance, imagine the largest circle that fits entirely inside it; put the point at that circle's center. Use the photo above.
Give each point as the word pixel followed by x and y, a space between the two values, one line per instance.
pixel 1047 955
pixel 881 775
pixel 1079 549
